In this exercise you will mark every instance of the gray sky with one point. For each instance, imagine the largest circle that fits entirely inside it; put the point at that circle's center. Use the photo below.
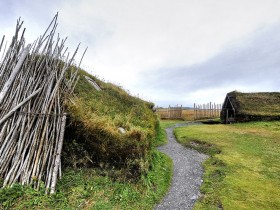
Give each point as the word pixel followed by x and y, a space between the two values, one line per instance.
pixel 167 51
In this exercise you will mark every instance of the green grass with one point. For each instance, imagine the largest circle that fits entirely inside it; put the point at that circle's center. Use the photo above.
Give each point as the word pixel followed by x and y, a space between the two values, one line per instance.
pixel 93 189
pixel 96 188
pixel 93 138
pixel 169 123
pixel 103 168
pixel 243 171
pixel 162 137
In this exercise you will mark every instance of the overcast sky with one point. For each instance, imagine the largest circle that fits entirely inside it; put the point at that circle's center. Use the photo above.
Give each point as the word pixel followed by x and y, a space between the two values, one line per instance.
pixel 167 51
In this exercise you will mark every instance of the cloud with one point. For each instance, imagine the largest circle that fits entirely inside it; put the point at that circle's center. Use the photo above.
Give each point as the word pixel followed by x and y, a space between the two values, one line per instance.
pixel 150 45
pixel 36 15
pixel 139 36
pixel 252 64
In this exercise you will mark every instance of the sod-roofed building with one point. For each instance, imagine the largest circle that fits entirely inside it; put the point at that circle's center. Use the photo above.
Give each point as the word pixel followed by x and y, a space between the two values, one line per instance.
pixel 244 107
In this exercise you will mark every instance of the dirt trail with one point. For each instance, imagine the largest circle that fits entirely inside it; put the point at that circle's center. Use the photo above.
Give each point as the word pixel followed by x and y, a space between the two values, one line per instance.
pixel 187 176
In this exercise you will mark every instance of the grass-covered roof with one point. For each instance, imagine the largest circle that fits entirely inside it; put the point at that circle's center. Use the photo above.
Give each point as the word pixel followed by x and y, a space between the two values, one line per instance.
pixel 258 104
pixel 108 127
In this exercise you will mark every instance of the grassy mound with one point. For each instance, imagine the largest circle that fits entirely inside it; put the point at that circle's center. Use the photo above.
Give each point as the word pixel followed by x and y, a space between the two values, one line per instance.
pixel 93 136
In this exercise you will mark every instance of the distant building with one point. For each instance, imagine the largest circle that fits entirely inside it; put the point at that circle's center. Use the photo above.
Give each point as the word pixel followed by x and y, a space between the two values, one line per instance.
pixel 244 107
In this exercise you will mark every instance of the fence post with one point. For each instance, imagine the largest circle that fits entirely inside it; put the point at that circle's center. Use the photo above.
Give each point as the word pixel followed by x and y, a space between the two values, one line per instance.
pixel 210 109
pixel 194 111
pixel 181 111
pixel 216 110
pixel 169 112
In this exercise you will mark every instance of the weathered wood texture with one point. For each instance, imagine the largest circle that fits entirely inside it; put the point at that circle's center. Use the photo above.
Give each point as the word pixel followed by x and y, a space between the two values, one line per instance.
pixel 170 112
pixel 33 91
pixel 207 111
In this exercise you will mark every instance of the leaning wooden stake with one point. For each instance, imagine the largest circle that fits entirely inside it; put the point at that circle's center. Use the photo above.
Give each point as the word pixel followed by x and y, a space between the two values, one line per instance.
pixel 14 73
pixel 3 119
pixel 34 89
pixel 58 154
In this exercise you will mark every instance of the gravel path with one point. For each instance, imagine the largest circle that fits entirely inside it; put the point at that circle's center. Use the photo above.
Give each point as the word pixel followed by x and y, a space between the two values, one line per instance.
pixel 187 176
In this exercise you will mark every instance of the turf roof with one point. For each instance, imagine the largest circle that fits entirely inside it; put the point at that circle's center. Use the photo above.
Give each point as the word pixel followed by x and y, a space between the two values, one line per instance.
pixel 260 103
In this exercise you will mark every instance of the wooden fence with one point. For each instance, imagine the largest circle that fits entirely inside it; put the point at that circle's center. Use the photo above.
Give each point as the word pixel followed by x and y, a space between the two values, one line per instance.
pixel 207 111
pixel 170 112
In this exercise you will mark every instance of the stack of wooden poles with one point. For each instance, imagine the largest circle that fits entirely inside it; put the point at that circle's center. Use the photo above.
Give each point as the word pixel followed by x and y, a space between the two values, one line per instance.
pixel 35 83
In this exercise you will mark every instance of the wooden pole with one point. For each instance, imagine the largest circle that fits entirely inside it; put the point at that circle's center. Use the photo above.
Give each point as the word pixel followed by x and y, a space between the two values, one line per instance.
pixel 210 109
pixel 181 112
pixel 3 119
pixel 169 112
pixel 58 154
pixel 14 73
pixel 194 114
pixel 33 92
pixel 227 117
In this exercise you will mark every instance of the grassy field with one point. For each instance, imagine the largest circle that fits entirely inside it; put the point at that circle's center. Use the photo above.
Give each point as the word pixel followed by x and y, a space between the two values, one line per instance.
pixel 94 188
pixel 243 171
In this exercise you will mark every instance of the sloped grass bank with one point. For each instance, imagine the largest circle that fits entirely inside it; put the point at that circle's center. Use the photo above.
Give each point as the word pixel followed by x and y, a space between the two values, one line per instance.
pixel 93 137
pixel 102 167
pixel 243 170
pixel 109 158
